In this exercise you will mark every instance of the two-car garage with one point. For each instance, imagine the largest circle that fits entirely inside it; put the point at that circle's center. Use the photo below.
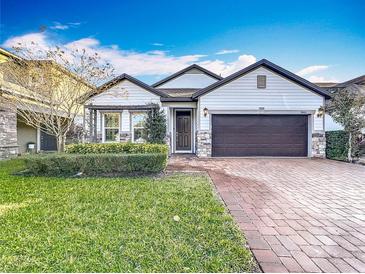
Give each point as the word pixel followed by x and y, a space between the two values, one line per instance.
pixel 235 135
pixel 261 110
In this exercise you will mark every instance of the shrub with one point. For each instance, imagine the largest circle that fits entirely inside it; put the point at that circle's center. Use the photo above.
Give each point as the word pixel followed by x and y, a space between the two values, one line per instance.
pixel 96 164
pixel 126 148
pixel 155 126
pixel 337 145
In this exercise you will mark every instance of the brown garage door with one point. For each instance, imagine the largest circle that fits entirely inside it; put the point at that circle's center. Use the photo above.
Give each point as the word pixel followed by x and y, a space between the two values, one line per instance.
pixel 259 135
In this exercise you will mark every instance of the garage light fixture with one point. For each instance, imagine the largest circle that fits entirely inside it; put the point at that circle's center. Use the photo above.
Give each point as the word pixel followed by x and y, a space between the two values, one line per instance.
pixel 205 112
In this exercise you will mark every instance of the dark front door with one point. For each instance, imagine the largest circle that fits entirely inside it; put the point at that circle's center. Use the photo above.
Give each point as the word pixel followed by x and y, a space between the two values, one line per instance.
pixel 260 135
pixel 183 130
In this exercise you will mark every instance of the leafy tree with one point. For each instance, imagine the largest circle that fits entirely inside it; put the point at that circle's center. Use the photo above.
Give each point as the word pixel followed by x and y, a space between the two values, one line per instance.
pixel 347 107
pixel 45 85
pixel 155 125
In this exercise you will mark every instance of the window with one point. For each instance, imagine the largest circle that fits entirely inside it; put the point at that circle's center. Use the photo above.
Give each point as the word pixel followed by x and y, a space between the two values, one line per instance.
pixel 261 81
pixel 111 127
pixel 138 127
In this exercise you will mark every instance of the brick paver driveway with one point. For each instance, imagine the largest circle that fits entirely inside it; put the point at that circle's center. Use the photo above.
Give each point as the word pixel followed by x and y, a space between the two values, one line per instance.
pixel 298 215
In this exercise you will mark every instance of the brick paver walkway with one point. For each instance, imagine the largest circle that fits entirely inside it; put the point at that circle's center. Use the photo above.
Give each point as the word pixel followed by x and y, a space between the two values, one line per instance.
pixel 298 215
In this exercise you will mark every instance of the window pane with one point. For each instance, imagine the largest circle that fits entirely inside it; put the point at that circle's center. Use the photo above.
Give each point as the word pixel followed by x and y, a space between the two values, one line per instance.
pixel 138 119
pixel 138 135
pixel 111 135
pixel 137 125
pixel 261 81
pixel 112 120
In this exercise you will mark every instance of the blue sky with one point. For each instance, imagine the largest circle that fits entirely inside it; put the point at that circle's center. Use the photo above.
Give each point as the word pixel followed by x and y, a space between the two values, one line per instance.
pixel 320 40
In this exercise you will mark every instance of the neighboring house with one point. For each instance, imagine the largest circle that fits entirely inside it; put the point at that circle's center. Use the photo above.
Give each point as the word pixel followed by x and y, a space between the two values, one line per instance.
pixel 331 125
pixel 15 134
pixel 261 110
pixel 355 81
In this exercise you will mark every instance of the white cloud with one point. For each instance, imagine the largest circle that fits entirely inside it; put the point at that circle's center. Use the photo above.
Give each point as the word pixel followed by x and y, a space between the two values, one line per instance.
pixel 38 39
pixel 83 43
pixel 311 69
pixel 225 69
pixel 226 51
pixel 321 79
pixel 59 26
pixel 156 62
pixel 74 24
pixel 157 44
pixel 309 74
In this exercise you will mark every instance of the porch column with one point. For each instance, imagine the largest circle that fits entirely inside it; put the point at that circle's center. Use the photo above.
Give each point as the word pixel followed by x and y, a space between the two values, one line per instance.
pixel 89 128
pixel 125 133
pixel 168 138
pixel 8 131
pixel 95 128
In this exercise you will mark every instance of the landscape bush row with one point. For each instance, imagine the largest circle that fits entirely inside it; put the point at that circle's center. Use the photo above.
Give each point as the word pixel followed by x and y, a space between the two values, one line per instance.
pixel 101 164
pixel 127 148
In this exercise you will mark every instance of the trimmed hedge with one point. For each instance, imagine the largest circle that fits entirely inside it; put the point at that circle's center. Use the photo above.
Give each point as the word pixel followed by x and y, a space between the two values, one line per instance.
pixel 337 145
pixel 126 148
pixel 95 164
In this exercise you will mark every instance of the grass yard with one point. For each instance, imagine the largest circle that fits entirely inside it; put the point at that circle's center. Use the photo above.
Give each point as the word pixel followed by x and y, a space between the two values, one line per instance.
pixel 115 225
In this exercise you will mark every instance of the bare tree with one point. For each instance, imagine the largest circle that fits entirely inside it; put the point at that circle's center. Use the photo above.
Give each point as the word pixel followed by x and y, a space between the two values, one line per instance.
pixel 47 85
pixel 347 107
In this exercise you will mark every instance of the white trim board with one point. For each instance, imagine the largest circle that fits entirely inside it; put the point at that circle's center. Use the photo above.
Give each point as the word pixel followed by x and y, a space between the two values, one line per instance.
pixel 192 150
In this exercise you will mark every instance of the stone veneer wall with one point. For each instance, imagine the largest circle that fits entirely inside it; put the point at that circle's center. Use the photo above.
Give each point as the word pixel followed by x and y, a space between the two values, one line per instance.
pixel 319 145
pixel 8 133
pixel 204 143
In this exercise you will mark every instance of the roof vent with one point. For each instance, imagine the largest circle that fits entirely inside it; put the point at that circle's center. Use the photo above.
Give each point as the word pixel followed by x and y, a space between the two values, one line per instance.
pixel 261 81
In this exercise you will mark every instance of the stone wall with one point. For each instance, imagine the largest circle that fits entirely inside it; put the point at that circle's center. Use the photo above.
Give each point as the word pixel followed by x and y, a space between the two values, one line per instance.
pixel 319 145
pixel 8 133
pixel 203 143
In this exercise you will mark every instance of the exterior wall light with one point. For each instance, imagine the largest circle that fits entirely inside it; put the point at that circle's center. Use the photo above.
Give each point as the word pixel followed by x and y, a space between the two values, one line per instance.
pixel 205 111
pixel 320 112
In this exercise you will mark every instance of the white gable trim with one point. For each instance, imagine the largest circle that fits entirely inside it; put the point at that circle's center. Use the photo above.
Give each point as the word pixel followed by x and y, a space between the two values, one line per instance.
pixel 125 93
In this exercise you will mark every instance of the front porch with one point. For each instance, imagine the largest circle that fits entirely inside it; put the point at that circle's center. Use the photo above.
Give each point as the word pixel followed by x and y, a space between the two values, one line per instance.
pixel 109 124
pixel 113 124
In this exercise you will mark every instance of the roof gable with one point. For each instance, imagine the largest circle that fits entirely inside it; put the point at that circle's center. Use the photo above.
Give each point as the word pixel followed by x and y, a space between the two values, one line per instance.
pixel 271 66
pixel 122 77
pixel 357 81
pixel 193 69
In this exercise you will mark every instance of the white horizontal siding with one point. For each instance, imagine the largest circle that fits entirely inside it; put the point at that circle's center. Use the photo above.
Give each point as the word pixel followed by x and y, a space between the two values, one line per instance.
pixel 125 93
pixel 318 123
pixel 190 80
pixel 242 94
pixel 126 118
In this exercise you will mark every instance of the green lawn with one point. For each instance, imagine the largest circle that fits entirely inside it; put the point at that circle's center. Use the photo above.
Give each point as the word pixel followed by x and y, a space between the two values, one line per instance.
pixel 115 225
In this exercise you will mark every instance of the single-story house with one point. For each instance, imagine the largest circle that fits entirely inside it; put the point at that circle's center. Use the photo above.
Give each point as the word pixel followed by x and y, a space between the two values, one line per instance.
pixel 261 110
